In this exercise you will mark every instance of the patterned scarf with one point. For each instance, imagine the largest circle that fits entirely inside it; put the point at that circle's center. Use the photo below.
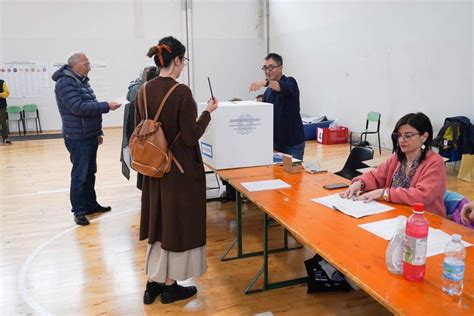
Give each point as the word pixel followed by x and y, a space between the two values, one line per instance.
pixel 402 179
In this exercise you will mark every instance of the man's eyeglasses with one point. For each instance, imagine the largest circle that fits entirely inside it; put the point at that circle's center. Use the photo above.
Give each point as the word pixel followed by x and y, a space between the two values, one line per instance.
pixel 185 60
pixel 269 67
pixel 405 136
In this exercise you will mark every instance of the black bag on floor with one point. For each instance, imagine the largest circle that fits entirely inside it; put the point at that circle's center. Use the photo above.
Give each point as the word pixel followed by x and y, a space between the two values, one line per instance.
pixel 318 279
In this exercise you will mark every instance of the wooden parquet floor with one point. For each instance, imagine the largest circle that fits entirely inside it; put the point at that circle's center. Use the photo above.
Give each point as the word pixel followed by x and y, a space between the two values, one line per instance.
pixel 51 266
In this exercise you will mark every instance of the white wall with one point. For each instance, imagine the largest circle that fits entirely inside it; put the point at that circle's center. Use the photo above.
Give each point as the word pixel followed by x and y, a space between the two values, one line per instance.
pixel 349 57
pixel 227 36
pixel 229 47
pixel 115 32
pixel 394 57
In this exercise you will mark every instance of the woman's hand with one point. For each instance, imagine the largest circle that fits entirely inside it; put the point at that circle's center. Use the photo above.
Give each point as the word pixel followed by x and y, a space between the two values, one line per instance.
pixel 467 213
pixel 353 190
pixel 212 104
pixel 370 196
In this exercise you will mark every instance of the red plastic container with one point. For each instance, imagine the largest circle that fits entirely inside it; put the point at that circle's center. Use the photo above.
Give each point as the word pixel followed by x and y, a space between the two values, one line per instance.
pixel 336 135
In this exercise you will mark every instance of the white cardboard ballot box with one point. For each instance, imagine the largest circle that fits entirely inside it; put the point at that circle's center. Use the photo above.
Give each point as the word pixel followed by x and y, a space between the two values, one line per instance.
pixel 240 134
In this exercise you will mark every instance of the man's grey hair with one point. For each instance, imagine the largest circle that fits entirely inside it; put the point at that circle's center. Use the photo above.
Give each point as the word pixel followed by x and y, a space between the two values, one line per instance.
pixel 73 59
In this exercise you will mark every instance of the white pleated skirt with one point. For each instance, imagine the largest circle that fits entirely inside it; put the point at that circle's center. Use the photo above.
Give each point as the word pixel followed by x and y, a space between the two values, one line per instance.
pixel 161 264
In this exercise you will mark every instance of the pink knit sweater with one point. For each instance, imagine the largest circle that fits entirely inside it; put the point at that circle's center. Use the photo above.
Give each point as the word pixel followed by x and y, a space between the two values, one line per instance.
pixel 427 185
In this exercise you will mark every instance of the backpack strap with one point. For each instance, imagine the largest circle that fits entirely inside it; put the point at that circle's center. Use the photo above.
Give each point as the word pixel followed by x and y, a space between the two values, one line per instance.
pixel 160 108
pixel 164 100
pixel 178 165
pixel 159 112
pixel 158 115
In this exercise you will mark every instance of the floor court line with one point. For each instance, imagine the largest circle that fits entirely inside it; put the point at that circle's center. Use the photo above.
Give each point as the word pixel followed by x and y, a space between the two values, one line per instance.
pixel 63 190
pixel 21 281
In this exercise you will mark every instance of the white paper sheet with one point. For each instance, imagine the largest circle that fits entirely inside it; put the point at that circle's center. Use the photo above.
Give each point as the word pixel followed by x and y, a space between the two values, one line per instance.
pixel 265 185
pixel 121 100
pixel 355 209
pixel 278 159
pixel 437 239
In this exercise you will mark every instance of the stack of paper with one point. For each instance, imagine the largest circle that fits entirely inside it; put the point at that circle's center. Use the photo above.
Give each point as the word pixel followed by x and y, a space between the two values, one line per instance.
pixel 437 239
pixel 265 185
pixel 353 208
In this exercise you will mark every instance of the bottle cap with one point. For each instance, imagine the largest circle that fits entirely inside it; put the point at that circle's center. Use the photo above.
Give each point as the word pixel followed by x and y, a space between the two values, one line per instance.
pixel 456 237
pixel 419 207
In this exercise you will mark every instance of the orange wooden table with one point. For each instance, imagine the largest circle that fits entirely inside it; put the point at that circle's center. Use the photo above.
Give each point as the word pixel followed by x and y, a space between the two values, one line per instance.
pixel 240 173
pixel 356 252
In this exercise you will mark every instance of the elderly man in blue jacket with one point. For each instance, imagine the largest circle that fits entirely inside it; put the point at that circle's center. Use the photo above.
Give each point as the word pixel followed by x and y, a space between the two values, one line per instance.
pixel 81 116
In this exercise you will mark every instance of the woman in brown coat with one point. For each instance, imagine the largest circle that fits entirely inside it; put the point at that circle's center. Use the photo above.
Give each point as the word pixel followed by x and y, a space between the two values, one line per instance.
pixel 173 212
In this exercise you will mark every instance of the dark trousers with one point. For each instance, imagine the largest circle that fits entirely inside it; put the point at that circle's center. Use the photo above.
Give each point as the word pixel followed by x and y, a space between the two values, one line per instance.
pixel 83 155
pixel 4 123
pixel 296 151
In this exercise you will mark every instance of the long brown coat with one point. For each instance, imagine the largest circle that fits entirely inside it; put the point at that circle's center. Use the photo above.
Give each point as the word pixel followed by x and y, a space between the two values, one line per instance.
pixel 174 207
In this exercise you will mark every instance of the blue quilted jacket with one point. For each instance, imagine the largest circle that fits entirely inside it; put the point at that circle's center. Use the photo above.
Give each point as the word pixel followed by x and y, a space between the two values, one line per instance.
pixel 80 111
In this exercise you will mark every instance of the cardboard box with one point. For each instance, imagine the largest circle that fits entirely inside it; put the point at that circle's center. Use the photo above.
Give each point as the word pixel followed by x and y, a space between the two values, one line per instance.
pixel 240 134
pixel 336 135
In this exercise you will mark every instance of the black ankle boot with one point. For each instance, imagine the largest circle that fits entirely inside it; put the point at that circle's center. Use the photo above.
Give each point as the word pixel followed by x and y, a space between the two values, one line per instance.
pixel 175 292
pixel 153 289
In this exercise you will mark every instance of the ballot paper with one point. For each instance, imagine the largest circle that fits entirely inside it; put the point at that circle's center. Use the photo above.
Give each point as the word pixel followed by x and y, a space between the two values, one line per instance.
pixel 353 208
pixel 437 239
pixel 265 185
pixel 121 100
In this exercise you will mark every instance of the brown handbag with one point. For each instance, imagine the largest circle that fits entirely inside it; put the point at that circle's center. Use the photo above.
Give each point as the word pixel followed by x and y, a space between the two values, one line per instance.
pixel 149 150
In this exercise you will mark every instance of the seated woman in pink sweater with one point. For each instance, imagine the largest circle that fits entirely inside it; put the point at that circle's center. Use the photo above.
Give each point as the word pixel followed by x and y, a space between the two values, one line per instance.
pixel 414 173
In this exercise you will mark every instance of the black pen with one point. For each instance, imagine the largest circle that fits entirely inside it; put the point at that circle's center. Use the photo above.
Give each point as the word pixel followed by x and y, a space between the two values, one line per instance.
pixel 210 88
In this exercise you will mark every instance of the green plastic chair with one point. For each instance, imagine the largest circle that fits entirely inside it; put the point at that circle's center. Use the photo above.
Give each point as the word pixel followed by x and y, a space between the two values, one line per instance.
pixel 373 118
pixel 32 108
pixel 16 110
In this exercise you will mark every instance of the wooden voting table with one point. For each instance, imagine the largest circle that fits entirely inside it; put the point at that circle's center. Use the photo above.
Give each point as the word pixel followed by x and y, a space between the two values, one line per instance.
pixel 355 252
pixel 245 173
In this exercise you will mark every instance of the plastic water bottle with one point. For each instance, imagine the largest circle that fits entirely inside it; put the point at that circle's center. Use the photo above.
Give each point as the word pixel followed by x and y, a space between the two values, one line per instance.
pixel 394 254
pixel 414 255
pixel 453 266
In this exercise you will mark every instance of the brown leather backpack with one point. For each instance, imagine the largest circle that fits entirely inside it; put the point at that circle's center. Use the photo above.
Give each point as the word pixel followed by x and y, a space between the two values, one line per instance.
pixel 149 149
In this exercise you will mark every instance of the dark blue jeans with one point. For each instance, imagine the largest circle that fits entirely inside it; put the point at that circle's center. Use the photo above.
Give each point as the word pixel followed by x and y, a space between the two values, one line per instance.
pixel 83 154
pixel 296 151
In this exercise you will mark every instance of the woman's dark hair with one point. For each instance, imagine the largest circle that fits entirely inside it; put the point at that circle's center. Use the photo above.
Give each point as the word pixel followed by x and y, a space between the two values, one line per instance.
pixel 167 49
pixel 422 124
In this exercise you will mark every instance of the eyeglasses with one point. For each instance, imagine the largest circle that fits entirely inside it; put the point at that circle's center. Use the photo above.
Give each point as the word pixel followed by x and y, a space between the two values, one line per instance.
pixel 405 136
pixel 269 67
pixel 185 61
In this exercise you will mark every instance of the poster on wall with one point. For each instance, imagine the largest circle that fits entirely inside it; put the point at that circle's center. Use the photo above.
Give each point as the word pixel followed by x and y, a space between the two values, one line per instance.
pixel 98 78
pixel 26 79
